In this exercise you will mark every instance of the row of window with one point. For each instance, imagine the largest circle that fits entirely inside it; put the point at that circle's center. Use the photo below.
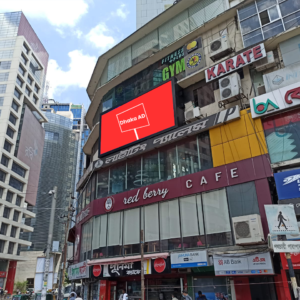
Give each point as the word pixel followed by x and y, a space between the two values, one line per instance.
pixel 188 156
pixel 7 211
pixel 7 43
pixel 4 227
pixel 15 167
pixel 13 182
pixel 5 65
pixel 11 247
pixel 202 220
pixel 263 19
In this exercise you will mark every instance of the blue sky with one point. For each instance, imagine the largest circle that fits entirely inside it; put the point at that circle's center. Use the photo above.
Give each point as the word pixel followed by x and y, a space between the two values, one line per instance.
pixel 75 33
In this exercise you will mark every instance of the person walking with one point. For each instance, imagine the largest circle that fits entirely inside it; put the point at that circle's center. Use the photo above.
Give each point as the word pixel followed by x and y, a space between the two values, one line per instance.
pixel 185 295
pixel 78 297
pixel 125 295
pixel 201 296
pixel 174 297
pixel 72 296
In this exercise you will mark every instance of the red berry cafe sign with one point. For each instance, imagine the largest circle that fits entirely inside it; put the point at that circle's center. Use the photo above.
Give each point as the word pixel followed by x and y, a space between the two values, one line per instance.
pixel 234 63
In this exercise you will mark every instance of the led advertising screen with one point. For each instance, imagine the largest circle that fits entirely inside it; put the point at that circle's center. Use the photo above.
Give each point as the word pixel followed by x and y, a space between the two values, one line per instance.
pixel 147 115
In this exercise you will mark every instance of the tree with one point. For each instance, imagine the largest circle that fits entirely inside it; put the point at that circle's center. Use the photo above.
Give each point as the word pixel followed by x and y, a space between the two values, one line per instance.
pixel 67 280
pixel 21 286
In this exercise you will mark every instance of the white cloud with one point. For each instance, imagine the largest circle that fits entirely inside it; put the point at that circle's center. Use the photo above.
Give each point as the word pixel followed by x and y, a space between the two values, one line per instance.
pixel 57 12
pixel 78 33
pixel 79 73
pixel 99 38
pixel 121 12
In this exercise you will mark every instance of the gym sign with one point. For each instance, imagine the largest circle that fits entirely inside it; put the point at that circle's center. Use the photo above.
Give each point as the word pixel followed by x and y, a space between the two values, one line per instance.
pixel 275 101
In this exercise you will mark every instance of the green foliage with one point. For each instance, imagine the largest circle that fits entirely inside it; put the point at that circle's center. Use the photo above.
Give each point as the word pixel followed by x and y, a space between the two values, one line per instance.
pixel 67 280
pixel 21 286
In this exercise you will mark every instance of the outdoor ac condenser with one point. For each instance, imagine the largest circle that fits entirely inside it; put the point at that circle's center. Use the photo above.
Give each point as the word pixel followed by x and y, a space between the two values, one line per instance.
pixel 248 230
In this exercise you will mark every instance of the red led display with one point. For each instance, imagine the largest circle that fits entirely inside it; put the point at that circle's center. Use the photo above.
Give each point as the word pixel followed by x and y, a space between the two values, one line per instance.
pixel 149 114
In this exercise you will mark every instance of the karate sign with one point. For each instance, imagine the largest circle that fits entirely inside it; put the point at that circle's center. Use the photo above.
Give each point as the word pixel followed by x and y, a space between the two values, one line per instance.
pixel 232 64
pixel 133 118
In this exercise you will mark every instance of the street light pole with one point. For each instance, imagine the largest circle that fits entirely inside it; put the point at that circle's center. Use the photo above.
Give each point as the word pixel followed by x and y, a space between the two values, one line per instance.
pixel 49 243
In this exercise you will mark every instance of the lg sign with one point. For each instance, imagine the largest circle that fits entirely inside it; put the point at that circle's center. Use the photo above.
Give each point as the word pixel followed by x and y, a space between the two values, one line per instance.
pixel 142 117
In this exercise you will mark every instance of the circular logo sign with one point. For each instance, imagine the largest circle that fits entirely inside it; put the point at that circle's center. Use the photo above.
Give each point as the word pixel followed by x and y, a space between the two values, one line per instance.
pixel 159 265
pixel 109 204
pixel 97 270
pixel 194 60
pixel 98 163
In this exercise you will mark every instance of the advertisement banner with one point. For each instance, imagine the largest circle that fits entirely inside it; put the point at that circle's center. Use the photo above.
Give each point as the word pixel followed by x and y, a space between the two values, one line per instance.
pixel 149 114
pixel 281 219
pixel 161 266
pixel 189 259
pixel 78 271
pixel 236 62
pixel 127 269
pixel 295 202
pixel 243 264
pixel 286 246
pixel 288 184
pixel 275 101
pixel 295 257
pixel 194 58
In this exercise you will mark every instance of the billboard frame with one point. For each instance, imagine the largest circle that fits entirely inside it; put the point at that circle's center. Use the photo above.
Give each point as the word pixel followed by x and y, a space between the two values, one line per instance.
pixel 172 80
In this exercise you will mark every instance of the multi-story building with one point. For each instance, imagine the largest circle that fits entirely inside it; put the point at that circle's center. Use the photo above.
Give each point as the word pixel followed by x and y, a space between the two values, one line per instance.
pixel 192 117
pixel 146 10
pixel 23 66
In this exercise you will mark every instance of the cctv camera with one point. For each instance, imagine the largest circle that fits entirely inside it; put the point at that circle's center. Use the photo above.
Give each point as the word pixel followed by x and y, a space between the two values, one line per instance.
pixel 51 192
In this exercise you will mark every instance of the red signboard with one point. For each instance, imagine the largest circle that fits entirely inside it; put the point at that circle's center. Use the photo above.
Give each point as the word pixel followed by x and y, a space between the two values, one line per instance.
pixel 159 265
pixel 2 274
pixel 97 270
pixel 149 114
pixel 295 260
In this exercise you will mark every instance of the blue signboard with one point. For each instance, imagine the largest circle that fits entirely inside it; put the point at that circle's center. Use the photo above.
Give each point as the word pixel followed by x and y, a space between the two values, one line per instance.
pixel 288 184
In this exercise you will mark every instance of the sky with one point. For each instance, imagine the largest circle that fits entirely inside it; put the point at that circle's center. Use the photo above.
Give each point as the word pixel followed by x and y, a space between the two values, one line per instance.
pixel 75 33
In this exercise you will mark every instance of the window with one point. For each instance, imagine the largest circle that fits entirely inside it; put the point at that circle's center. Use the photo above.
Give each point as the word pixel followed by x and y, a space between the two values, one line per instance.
pixel 204 96
pixel 12 119
pixel 7 146
pixel 15 106
pixel 10 132
pixel 273 29
pixel 289 6
pixel 16 216
pixel 19 82
pixel 86 241
pixel 151 227
pixel 242 199
pixel 11 246
pixel 13 231
pixel 4 76
pixel 27 91
pixel 3 88
pixel 4 160
pixel 35 99
pixel 169 225
pixel 1 192
pixel 118 178
pixel 2 176
pixel 21 70
pixel 9 196
pixel 131 229
pixel 18 169
pixel 99 236
pixel 18 200
pixel 168 162
pixel 24 60
pixel 292 20
pixel 3 228
pixel 150 168
pixel 192 227
pixel 6 212
pixel 35 69
pixel 2 243
pixel 6 54
pixel 17 94
pixel 1 101
pixel 216 218
pixel 134 176
pixel 15 183
pixel 29 80
pixel 5 65
pixel 114 234
pixel 102 183
pixel 25 48
pixel 36 89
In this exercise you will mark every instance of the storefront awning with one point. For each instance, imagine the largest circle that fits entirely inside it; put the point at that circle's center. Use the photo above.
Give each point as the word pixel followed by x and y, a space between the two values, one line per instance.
pixel 128 259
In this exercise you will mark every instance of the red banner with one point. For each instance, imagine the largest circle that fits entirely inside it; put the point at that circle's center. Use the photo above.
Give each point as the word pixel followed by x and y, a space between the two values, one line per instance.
pixel 295 260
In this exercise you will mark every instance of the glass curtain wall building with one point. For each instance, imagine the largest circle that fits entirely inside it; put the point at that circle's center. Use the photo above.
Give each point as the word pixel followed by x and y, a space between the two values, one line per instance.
pixel 58 169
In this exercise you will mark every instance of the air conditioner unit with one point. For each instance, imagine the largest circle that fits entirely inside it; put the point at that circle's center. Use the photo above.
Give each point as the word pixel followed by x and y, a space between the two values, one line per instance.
pixel 230 86
pixel 219 48
pixel 248 230
pixel 261 90
pixel 266 62
pixel 191 113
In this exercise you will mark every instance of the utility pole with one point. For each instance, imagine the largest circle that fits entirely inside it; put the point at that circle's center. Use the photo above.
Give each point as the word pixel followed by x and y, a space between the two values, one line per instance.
pixel 49 243
pixel 70 213
pixel 142 266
